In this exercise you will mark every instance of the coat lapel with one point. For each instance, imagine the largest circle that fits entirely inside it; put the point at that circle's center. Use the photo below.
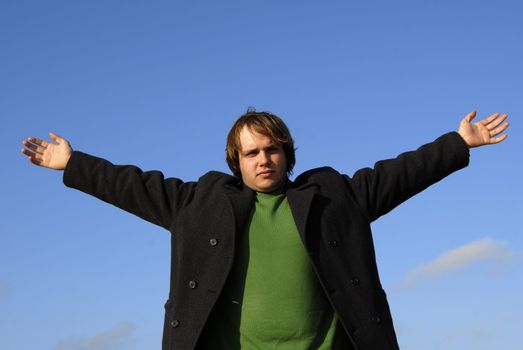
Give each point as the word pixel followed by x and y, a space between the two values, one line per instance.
pixel 300 201
pixel 241 204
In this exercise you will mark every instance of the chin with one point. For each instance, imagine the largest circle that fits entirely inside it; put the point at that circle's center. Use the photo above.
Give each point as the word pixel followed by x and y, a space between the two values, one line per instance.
pixel 270 188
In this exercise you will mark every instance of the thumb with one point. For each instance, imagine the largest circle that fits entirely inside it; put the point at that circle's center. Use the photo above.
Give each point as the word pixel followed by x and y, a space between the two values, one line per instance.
pixel 470 116
pixel 56 138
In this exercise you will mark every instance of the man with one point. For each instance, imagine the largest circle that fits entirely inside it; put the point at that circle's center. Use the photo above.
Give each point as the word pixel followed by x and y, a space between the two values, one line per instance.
pixel 259 261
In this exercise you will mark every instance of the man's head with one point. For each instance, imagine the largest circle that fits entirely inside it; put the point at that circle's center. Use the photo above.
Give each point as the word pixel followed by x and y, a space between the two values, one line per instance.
pixel 260 151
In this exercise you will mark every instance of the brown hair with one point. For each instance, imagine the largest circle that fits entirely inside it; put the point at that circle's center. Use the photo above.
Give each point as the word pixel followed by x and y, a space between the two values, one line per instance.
pixel 266 124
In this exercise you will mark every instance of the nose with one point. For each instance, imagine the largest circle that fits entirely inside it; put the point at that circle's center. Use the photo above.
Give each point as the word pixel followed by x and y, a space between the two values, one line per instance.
pixel 265 158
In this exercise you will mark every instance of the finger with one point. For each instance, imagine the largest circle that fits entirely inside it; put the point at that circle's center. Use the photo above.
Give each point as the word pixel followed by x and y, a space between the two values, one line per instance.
pixel 499 130
pixel 470 116
pixel 496 122
pixel 35 161
pixel 28 153
pixel 38 141
pixel 498 139
pixel 33 147
pixel 32 155
pixel 489 119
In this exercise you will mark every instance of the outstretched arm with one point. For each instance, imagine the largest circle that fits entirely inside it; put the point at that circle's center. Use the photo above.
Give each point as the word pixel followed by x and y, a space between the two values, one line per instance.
pixel 47 154
pixel 485 132
pixel 146 194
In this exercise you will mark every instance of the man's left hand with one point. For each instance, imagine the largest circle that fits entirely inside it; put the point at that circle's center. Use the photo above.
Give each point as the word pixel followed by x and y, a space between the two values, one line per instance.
pixel 485 132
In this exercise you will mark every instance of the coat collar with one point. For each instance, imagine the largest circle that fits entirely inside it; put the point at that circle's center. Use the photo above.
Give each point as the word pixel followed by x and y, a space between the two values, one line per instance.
pixel 300 199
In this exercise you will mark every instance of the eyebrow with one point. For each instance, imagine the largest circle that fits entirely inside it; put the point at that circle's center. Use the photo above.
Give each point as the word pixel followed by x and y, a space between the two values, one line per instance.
pixel 249 150
pixel 271 146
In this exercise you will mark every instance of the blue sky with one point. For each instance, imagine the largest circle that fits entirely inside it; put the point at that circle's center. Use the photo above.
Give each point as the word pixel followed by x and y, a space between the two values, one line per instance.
pixel 159 83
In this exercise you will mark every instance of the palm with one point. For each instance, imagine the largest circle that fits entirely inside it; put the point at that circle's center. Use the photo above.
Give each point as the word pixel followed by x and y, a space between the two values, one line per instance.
pixel 47 154
pixel 52 156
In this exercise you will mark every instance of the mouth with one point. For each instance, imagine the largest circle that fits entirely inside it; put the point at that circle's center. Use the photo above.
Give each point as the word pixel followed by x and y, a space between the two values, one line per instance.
pixel 266 173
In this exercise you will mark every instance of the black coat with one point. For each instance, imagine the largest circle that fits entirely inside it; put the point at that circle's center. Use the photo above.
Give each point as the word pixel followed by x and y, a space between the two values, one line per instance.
pixel 332 212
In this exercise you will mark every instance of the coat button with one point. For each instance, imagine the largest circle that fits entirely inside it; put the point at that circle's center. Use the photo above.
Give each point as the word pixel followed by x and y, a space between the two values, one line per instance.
pixel 213 242
pixel 333 243
pixel 175 323
pixel 355 281
pixel 193 284
pixel 376 319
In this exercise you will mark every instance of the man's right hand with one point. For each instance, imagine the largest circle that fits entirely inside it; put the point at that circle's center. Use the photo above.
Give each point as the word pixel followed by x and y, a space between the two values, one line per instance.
pixel 47 154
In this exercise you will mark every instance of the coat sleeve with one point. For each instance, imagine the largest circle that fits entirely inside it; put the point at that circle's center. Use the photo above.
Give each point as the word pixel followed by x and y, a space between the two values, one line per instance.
pixel 146 194
pixel 390 182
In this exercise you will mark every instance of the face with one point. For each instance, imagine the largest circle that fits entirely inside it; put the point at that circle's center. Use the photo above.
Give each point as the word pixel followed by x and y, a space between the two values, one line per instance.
pixel 263 164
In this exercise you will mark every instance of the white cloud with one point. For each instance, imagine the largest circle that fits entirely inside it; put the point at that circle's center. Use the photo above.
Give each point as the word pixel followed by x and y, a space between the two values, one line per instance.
pixel 486 249
pixel 113 338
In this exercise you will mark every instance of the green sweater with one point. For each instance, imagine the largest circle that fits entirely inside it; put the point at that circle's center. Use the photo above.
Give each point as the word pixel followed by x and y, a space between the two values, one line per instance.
pixel 273 299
